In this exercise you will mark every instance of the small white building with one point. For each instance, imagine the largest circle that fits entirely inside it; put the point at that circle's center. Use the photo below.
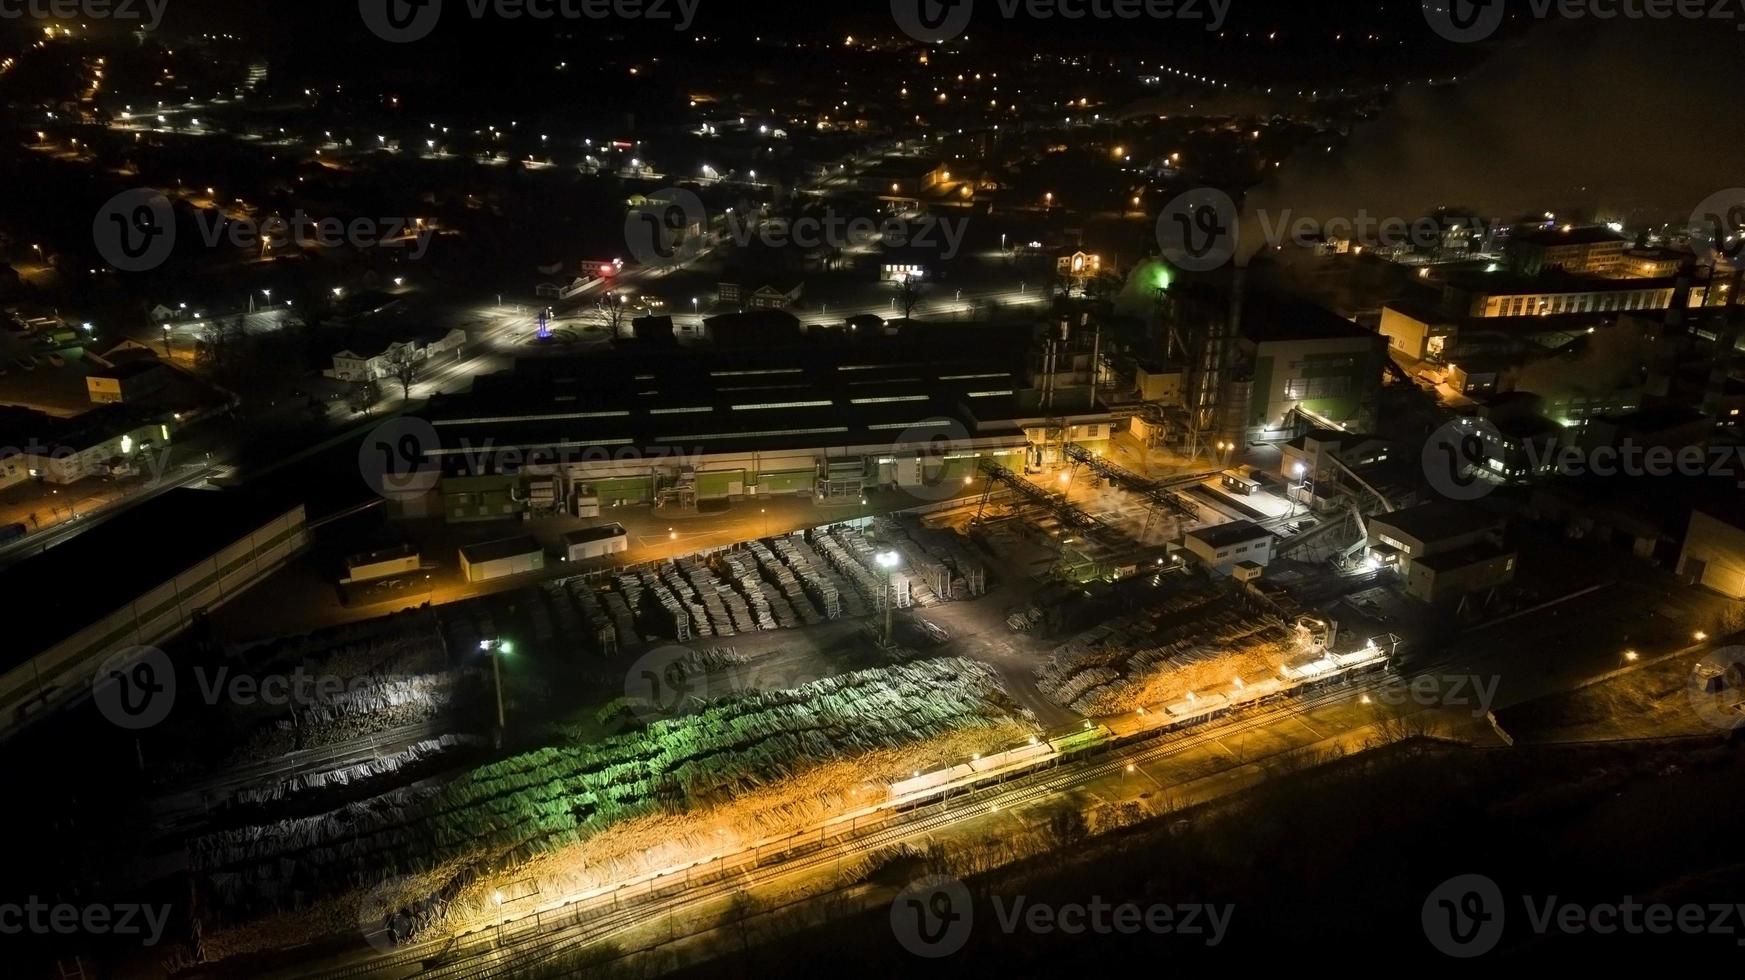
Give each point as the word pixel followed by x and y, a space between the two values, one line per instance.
pixel 595 542
pixel 501 559
pixel 1224 546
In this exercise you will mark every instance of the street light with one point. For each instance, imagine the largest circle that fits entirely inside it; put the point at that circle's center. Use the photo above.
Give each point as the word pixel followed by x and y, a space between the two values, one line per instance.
pixel 887 560
pixel 1298 470
pixel 497 649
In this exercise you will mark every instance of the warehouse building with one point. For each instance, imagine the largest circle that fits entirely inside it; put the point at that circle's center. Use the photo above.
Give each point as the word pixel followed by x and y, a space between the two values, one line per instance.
pixel 1223 547
pixel 1714 551
pixel 595 542
pixel 825 420
pixel 1443 550
pixel 501 559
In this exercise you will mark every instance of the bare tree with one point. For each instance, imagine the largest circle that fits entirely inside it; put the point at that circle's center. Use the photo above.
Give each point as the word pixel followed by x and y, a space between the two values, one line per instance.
pixel 613 310
pixel 909 290
pixel 402 365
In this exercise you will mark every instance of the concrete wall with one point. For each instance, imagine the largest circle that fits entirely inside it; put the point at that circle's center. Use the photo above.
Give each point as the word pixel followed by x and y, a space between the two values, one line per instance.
pixel 1714 555
pixel 63 673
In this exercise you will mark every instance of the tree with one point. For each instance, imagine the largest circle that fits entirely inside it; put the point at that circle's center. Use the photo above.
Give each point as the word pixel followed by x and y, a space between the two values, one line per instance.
pixel 612 311
pixel 402 364
pixel 1067 826
pixel 909 289
pixel 362 396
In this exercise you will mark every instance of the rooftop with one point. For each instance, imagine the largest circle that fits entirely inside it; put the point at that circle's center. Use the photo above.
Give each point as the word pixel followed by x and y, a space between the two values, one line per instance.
pixel 522 544
pixel 1275 317
pixel 1236 532
pixel 1437 520
pixel 600 533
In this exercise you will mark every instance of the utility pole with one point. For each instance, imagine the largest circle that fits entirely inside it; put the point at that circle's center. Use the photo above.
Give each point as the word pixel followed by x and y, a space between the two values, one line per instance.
pixel 496 649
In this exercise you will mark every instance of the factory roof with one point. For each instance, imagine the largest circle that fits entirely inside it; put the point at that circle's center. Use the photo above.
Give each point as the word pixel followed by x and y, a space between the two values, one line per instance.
pixel 523 544
pixel 1235 532
pixel 1437 520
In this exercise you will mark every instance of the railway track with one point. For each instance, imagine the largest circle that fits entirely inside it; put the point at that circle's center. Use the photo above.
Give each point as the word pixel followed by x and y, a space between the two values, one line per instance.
pixel 533 940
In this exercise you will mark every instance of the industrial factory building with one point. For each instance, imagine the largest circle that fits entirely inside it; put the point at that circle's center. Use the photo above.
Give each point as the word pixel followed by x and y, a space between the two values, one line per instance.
pixel 826 419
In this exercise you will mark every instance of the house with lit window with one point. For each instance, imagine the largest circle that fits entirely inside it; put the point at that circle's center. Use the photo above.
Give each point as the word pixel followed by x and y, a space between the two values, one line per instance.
pixel 1443 550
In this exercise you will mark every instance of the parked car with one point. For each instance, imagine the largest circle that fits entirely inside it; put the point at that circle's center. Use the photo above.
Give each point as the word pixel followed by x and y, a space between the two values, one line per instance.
pixel 12 532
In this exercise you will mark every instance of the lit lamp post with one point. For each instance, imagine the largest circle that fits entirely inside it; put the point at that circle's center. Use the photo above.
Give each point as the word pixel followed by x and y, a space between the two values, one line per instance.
pixel 1301 483
pixel 497 649
pixel 888 560
pixel 168 354
pixel 497 900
